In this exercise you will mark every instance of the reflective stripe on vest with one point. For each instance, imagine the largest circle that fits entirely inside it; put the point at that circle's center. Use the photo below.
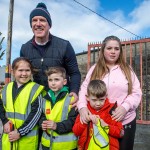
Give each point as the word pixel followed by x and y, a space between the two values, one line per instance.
pixel 34 89
pixel 65 108
pixel 102 137
pixel 32 133
pixel 43 106
pixel 17 115
pixel 61 138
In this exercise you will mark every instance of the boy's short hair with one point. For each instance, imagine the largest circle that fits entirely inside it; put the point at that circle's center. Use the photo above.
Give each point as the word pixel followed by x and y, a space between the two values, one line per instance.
pixel 52 70
pixel 96 88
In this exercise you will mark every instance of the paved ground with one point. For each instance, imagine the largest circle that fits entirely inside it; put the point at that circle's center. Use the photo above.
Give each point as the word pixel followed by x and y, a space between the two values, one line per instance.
pixel 142 137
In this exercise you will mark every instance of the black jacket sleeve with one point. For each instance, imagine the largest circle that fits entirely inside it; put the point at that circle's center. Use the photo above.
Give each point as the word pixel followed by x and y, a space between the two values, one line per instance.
pixel 42 118
pixel 72 69
pixel 2 113
pixel 66 125
pixel 21 51
pixel 33 118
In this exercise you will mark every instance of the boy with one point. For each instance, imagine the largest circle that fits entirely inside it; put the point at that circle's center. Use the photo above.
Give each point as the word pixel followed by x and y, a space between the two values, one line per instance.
pixel 101 132
pixel 58 115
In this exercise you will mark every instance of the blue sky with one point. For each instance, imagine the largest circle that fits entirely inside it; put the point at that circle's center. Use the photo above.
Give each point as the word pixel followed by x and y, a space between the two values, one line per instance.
pixel 125 5
pixel 73 22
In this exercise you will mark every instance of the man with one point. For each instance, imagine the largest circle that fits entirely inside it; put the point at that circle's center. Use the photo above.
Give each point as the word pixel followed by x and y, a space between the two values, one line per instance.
pixel 45 50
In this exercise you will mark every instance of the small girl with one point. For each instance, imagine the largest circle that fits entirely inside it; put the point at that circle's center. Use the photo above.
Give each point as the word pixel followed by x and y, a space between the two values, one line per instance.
pixel 20 107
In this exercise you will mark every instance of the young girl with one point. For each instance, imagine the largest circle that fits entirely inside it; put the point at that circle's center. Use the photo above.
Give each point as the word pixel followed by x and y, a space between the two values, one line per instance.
pixel 20 108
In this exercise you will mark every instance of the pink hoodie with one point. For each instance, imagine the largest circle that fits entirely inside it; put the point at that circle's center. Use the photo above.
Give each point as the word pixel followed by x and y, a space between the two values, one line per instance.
pixel 117 90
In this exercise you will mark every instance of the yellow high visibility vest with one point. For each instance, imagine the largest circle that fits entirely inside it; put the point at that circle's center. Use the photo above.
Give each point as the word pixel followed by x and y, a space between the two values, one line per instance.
pixel 58 113
pixel 18 113
pixel 100 138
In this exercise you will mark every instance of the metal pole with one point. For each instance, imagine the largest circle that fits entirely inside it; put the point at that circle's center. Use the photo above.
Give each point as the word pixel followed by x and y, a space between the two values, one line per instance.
pixel 89 57
pixel 9 41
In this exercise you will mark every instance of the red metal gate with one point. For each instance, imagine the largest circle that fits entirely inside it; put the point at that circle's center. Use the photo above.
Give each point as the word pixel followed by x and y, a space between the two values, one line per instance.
pixel 137 54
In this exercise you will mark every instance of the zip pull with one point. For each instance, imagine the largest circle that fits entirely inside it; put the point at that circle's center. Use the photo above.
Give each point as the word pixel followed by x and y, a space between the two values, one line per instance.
pixel 41 61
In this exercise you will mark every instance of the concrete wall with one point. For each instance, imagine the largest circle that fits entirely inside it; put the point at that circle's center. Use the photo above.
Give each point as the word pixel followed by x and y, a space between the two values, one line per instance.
pixel 2 74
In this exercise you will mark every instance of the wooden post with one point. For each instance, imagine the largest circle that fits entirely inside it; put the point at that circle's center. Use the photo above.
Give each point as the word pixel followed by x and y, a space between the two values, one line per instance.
pixel 9 41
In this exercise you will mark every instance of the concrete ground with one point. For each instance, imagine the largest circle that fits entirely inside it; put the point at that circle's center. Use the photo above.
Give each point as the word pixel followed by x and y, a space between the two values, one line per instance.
pixel 142 137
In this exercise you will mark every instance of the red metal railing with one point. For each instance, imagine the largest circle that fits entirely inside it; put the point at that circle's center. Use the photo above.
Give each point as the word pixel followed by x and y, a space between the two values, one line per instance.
pixel 134 56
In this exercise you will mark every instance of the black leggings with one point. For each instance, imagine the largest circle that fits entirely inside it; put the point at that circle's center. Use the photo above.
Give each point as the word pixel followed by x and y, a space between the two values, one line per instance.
pixel 127 142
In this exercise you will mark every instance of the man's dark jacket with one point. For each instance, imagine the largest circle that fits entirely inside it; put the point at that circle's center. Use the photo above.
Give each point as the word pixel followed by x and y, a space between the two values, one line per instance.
pixel 57 52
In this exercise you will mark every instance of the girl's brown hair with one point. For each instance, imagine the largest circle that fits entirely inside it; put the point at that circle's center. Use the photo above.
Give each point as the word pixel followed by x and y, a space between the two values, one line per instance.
pixel 101 68
pixel 16 61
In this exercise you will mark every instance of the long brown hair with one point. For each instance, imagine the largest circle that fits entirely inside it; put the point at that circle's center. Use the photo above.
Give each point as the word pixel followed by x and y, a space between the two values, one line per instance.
pixel 16 62
pixel 101 68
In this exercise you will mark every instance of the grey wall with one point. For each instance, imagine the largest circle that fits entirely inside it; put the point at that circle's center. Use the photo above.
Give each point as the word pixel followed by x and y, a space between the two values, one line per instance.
pixel 2 74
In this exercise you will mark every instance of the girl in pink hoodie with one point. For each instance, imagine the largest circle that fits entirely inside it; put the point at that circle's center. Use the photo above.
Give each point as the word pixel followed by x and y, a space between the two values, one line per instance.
pixel 122 86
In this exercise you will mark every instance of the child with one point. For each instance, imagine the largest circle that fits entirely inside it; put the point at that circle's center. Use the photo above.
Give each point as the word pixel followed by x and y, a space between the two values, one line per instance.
pixel 101 132
pixel 58 115
pixel 21 108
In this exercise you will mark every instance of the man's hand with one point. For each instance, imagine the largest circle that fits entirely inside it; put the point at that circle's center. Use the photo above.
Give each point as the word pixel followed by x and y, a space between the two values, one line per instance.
pixel 119 113
pixel 84 115
pixel 14 136
pixel 74 103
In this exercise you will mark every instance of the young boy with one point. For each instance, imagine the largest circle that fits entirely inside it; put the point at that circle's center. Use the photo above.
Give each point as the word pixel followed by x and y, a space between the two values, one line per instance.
pixel 101 132
pixel 58 115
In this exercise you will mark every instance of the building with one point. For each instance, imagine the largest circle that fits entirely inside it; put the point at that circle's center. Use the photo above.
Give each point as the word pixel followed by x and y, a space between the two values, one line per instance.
pixel 2 73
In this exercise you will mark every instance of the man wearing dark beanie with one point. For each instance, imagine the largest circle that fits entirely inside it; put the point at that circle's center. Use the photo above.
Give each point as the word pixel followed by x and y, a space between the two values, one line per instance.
pixel 45 50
